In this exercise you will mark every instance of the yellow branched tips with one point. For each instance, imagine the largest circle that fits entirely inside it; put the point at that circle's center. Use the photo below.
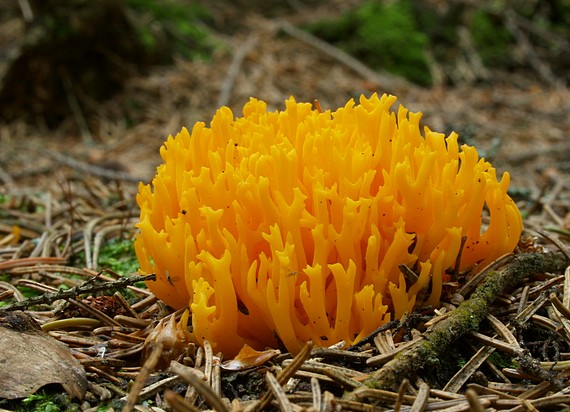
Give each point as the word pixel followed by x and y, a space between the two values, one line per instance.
pixel 291 225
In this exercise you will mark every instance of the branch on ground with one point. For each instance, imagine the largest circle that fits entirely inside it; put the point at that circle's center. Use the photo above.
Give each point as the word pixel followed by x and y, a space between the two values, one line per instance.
pixel 466 318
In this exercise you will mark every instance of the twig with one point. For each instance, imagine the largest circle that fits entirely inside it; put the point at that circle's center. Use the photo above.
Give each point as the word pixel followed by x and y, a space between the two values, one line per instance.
pixel 541 403
pixel 388 81
pixel 91 256
pixel 537 64
pixel 96 313
pixel 466 318
pixel 99 238
pixel 230 79
pixel 51 297
pixel 421 398
pixel 5 176
pixel 558 41
pixel 89 168
pixel 142 377
pixel 474 69
pixel 474 402
pixel 533 367
pixel 27 12
pixel 370 338
pixel 285 375
pixel 202 387
pixel 401 393
pixel 154 388
pixel 278 393
pixel 317 394
pixel 463 374
pixel 178 403
pixel 75 108
pixel 16 263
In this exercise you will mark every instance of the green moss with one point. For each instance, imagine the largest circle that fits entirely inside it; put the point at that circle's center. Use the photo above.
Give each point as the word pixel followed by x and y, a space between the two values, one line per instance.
pixel 46 400
pixel 383 35
pixel 177 24
pixel 119 256
pixel 116 254
pixel 492 39
pixel 40 402
pixel 389 37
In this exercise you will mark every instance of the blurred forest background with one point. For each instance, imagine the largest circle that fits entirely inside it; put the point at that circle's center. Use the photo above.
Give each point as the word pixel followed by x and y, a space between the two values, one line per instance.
pixel 96 86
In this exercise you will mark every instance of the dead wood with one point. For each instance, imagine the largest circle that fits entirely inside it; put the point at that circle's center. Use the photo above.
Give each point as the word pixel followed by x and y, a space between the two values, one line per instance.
pixel 466 318
pixel 77 290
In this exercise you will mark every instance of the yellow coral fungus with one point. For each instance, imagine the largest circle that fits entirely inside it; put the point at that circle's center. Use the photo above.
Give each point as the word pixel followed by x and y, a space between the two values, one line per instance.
pixel 290 225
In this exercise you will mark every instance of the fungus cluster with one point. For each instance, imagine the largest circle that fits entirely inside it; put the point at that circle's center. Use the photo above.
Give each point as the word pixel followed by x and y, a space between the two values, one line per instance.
pixel 289 226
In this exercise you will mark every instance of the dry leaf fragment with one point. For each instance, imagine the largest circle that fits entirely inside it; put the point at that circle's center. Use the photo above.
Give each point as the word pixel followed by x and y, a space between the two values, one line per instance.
pixel 30 359
pixel 249 358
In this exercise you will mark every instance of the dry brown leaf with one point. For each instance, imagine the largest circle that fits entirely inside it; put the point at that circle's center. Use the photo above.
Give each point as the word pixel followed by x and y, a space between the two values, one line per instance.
pixel 249 358
pixel 30 359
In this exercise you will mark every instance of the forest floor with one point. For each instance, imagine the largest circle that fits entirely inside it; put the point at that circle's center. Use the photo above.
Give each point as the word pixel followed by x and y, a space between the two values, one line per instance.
pixel 78 183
